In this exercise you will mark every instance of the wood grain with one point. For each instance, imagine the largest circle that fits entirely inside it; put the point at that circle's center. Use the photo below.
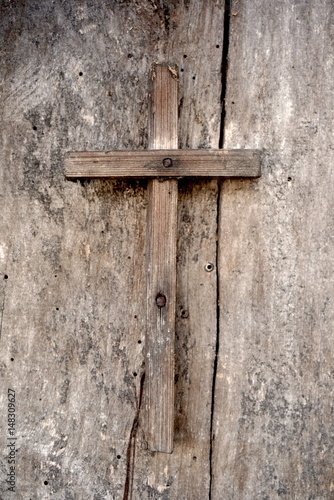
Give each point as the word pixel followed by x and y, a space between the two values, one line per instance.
pixel 195 31
pixel 273 419
pixel 74 314
pixel 162 238
pixel 185 163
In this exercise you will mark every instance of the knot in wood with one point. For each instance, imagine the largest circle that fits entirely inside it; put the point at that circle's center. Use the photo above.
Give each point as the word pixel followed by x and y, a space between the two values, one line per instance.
pixel 167 162
pixel 160 300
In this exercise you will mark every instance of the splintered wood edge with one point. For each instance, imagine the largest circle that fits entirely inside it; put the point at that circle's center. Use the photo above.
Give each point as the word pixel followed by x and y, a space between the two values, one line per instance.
pixel 211 163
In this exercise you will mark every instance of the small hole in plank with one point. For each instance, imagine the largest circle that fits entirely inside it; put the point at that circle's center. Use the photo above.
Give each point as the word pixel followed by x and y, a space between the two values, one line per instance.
pixel 185 56
pixel 139 341
pixel 217 46
pixel 12 359
pixel 182 70
pixel 135 374
pixel 194 458
pixel 46 483
pixel 289 179
pixel 80 73
pixel 34 127
pixel 194 77
pixel 118 456
pixel 5 277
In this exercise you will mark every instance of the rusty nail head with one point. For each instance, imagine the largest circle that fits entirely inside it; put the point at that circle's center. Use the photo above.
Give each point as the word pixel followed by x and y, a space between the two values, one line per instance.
pixel 167 162
pixel 160 300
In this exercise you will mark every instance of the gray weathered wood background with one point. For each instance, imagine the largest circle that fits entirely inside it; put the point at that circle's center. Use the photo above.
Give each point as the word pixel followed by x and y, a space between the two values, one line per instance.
pixel 74 76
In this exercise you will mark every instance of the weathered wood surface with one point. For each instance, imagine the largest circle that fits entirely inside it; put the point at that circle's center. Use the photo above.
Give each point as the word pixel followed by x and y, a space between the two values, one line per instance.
pixel 273 419
pixel 161 266
pixel 186 163
pixel 72 340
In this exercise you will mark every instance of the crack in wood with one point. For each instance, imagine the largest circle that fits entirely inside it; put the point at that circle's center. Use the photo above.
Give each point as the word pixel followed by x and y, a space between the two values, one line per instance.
pixel 131 449
pixel 215 363
pixel 226 39
pixel 224 70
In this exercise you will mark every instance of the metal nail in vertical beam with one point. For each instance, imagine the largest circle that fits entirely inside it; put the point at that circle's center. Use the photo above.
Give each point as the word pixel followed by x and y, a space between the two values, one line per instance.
pixel 161 265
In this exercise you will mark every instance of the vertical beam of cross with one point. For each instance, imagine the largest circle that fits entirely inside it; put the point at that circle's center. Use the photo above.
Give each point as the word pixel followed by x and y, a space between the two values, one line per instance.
pixel 161 265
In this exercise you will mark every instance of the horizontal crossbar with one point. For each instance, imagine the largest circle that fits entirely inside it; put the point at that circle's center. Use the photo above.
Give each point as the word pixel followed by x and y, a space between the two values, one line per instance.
pixel 212 163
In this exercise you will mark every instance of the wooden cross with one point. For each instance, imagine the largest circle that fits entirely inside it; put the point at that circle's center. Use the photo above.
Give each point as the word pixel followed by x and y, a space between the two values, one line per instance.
pixel 163 164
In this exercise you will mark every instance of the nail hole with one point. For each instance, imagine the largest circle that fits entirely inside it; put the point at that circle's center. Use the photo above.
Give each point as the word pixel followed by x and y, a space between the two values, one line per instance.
pixel 139 341
pixel 5 277
pixel 46 483
pixel 289 179
pixel 34 127
pixel 118 456
pixel 80 73
pixel 56 275
pixel 57 308
pixel 194 77
pixel 182 70
pixel 12 359
pixel 217 46
pixel 194 458
pixel 184 313
pixel 135 316
pixel 130 55
pixel 135 374
pixel 209 267
pixel 185 56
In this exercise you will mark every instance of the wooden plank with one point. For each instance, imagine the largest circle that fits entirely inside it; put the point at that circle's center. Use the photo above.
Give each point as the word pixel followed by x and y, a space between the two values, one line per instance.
pixel 161 284
pixel 273 419
pixel 73 333
pixel 182 163
pixel 196 31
